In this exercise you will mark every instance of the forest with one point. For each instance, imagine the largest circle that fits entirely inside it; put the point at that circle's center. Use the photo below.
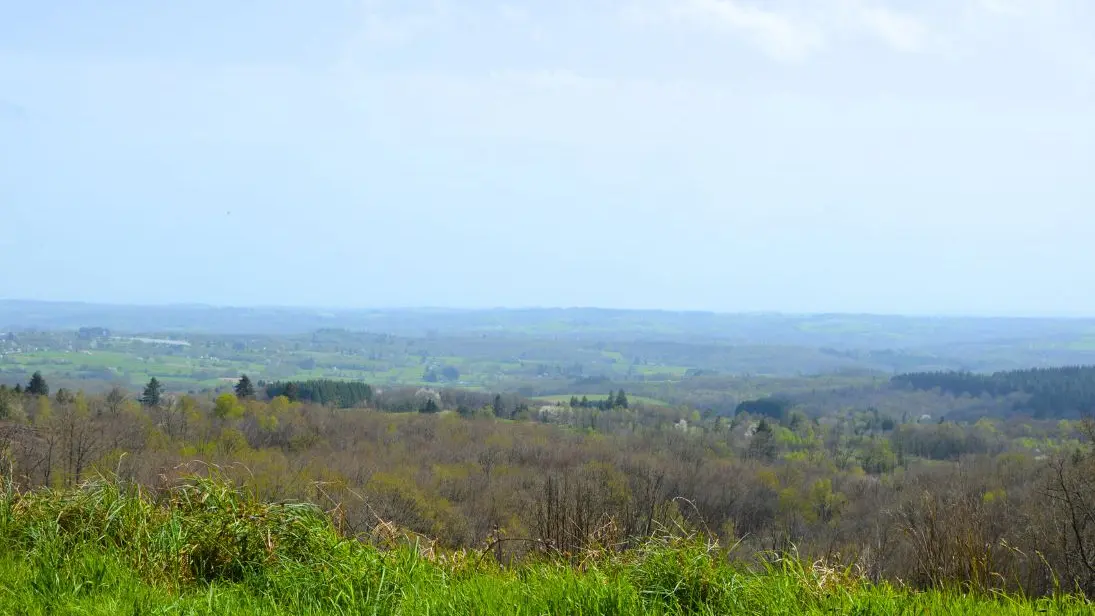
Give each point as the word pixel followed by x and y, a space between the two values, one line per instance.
pixel 483 458
pixel 998 505
pixel 1046 392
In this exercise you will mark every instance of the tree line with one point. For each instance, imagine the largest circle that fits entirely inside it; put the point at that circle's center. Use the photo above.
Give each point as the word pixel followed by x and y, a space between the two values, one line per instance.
pixel 342 394
pixel 986 511
pixel 989 505
pixel 617 400
pixel 1043 392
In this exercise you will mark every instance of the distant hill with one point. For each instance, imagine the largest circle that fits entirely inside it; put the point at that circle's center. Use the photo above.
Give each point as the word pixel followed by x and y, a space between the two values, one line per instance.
pixel 842 331
pixel 756 343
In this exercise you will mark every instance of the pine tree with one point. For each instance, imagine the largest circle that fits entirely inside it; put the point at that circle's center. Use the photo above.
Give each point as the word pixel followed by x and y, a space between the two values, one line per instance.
pixel 244 388
pixel 430 406
pixel 64 396
pixel 763 444
pixel 499 407
pixel 621 399
pixel 37 385
pixel 153 392
pixel 291 391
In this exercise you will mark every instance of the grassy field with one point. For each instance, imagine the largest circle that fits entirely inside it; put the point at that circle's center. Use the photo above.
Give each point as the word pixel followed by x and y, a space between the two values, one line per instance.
pixel 191 370
pixel 204 548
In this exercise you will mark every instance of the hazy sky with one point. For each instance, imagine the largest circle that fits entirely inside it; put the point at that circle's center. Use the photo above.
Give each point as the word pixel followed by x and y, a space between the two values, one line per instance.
pixel 800 155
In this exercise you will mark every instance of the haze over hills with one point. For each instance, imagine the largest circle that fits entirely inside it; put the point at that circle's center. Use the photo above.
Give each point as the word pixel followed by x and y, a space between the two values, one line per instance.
pixel 859 330
pixel 482 341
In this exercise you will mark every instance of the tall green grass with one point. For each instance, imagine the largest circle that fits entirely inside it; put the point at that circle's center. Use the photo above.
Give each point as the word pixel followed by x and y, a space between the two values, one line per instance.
pixel 203 547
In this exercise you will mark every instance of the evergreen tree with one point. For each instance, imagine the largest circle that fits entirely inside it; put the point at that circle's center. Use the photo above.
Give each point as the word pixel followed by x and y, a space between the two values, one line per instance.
pixel 291 391
pixel 244 388
pixel 18 388
pixel 499 407
pixel 37 385
pixel 574 402
pixel 430 406
pixel 153 392
pixel 342 394
pixel 621 399
pixel 763 444
pixel 64 396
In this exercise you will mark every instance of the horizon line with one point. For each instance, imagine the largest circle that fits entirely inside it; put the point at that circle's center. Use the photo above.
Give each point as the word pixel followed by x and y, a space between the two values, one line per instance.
pixel 530 308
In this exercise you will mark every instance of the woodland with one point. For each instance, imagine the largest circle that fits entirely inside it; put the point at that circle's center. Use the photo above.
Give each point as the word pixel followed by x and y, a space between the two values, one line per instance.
pixel 937 485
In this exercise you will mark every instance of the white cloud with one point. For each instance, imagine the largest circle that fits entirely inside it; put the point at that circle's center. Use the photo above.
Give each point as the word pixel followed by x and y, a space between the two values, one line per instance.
pixel 513 13
pixel 1011 8
pixel 780 35
pixel 558 79
pixel 793 30
pixel 381 26
pixel 899 31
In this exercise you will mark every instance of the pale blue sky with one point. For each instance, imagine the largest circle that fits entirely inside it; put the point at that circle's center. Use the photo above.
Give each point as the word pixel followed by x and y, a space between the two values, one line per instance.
pixel 797 155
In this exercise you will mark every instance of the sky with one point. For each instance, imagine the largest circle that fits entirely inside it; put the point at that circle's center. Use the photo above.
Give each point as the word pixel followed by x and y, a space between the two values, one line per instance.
pixel 888 156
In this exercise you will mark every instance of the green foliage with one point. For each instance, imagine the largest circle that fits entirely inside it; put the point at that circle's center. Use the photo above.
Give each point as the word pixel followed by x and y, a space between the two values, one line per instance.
pixel 291 391
pixel 877 457
pixel 621 400
pixel 203 547
pixel 762 445
pixel 63 396
pixel 153 393
pixel 831 483
pixel 11 406
pixel 1050 392
pixel 617 400
pixel 342 394
pixel 774 408
pixel 37 385
pixel 227 406
pixel 244 388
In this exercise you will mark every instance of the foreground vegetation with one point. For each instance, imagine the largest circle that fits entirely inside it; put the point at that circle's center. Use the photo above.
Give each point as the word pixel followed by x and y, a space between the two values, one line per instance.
pixel 200 546
pixel 517 473
pixel 990 507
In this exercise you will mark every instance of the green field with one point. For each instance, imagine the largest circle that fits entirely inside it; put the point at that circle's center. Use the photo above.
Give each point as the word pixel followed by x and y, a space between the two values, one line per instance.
pixel 701 360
